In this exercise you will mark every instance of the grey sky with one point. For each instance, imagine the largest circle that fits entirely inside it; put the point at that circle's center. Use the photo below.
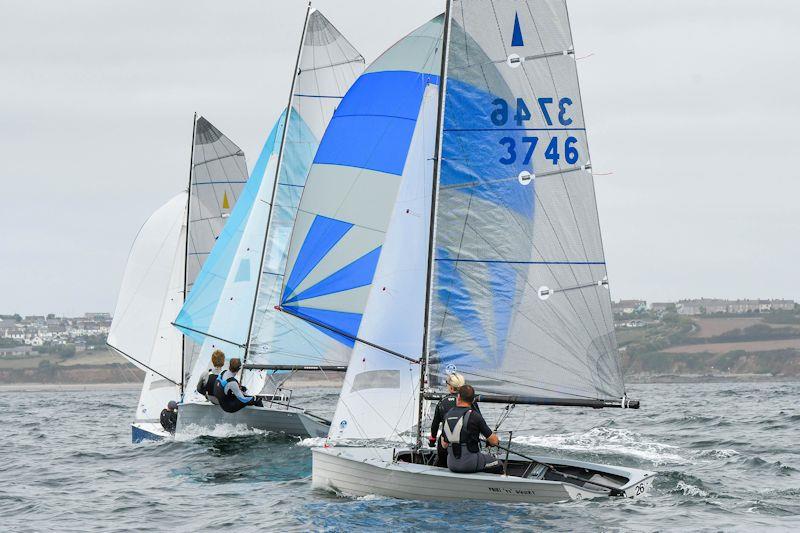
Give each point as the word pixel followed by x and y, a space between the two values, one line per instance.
pixel 691 103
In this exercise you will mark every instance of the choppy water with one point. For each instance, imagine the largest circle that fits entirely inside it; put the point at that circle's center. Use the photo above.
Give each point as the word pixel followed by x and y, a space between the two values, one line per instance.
pixel 727 455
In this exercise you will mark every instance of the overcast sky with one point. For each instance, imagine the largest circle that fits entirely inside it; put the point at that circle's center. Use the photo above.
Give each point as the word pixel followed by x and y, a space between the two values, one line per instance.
pixel 692 104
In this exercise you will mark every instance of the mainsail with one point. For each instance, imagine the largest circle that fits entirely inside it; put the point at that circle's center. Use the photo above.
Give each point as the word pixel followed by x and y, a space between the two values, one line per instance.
pixel 217 311
pixel 243 265
pixel 327 66
pixel 364 207
pixel 519 298
pixel 150 295
pixel 218 174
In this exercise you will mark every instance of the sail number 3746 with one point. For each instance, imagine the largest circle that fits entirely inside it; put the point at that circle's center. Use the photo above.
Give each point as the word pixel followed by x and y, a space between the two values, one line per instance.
pixel 525 147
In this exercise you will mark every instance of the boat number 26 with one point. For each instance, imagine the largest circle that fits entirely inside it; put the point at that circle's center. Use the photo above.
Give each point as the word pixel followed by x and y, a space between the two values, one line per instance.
pixel 639 489
pixel 525 147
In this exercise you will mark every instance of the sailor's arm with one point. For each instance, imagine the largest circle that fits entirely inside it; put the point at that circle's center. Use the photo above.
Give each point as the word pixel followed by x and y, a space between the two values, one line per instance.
pixel 491 437
pixel 234 387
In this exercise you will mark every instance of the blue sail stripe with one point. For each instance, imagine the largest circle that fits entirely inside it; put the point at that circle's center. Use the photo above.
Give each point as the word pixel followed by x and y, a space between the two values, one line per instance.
pixel 513 129
pixel 520 262
pixel 322 236
pixel 356 274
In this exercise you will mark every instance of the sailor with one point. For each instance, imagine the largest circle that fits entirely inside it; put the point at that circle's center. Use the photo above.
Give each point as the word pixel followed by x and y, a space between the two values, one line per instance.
pixel 454 381
pixel 229 393
pixel 463 427
pixel 169 416
pixel 206 384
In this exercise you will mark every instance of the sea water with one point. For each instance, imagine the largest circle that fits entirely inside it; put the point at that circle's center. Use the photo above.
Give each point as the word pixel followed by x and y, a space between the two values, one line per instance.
pixel 727 457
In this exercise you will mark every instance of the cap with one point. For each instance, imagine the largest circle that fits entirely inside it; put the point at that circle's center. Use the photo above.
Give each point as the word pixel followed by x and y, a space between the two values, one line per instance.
pixel 455 380
pixel 172 405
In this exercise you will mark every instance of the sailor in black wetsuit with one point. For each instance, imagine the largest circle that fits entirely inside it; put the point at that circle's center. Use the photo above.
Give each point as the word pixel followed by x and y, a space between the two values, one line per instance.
pixel 205 385
pixel 463 427
pixel 169 416
pixel 454 381
pixel 228 391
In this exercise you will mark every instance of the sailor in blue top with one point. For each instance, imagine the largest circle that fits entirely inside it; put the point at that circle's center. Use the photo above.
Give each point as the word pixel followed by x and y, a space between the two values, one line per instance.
pixel 230 394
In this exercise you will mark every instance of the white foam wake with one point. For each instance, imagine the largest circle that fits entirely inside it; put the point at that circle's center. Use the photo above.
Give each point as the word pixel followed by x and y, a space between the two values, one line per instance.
pixel 608 440
pixel 222 431
pixel 313 442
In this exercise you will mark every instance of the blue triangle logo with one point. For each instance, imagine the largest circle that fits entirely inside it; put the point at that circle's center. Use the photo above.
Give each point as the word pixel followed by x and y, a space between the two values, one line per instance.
pixel 516 39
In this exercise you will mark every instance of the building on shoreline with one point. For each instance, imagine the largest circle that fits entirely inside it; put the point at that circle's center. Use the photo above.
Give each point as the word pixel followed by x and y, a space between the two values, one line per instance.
pixel 710 306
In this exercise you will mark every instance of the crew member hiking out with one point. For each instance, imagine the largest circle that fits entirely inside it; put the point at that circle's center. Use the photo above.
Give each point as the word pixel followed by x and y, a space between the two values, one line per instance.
pixel 205 385
pixel 454 381
pixel 169 416
pixel 227 390
pixel 463 427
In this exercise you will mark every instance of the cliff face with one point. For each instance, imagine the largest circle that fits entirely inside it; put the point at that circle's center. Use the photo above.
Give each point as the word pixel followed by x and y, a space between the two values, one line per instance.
pixel 78 374
pixel 783 363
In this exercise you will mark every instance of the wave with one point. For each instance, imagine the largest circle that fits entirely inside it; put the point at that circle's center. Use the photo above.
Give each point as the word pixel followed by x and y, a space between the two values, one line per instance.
pixel 691 490
pixel 725 453
pixel 608 440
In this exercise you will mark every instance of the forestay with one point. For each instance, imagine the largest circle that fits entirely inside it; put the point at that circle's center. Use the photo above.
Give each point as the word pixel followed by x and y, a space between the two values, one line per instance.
pixel 353 252
pixel 519 297
pixel 327 66
pixel 150 295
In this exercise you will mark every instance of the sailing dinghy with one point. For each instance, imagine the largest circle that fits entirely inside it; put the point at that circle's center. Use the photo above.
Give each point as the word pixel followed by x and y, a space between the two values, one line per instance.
pixel 475 188
pixel 162 267
pixel 232 307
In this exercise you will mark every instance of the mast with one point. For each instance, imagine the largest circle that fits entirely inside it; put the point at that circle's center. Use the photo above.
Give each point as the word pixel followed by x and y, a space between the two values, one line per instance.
pixel 275 182
pixel 186 249
pixel 432 226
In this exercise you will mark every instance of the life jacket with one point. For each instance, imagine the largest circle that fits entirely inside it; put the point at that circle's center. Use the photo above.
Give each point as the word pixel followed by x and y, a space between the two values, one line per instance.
pixel 228 402
pixel 205 385
pixel 211 380
pixel 455 429
pixel 169 420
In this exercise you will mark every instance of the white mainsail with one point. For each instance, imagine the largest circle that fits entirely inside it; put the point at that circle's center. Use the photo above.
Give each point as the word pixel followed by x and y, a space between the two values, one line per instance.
pixel 327 66
pixel 221 309
pixel 151 292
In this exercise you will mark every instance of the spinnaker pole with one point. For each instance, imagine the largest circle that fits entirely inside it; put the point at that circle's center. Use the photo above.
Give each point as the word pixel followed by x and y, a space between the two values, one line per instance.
pixel 437 166
pixel 275 183
pixel 186 249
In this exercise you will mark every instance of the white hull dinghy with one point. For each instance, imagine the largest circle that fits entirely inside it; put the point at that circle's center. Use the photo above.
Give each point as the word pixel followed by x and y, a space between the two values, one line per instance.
pixel 357 472
pixel 487 258
pixel 232 306
pixel 289 421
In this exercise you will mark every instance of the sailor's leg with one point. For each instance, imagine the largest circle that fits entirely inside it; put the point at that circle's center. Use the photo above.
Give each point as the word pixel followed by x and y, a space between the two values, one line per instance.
pixel 489 463
pixel 441 454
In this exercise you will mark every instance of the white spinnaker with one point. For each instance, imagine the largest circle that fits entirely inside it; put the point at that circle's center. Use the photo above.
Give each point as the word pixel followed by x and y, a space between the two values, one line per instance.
pixel 379 395
pixel 150 296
